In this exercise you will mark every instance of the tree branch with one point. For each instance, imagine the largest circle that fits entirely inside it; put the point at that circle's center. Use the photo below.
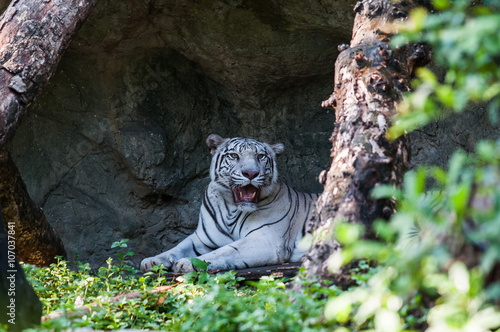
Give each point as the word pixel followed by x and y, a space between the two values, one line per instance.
pixel 33 37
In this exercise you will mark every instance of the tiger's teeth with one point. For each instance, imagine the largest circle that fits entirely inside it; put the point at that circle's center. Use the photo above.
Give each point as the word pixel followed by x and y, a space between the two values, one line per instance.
pixel 253 195
pixel 241 195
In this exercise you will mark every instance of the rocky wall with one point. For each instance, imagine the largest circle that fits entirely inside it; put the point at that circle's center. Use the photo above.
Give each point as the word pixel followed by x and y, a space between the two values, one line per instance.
pixel 115 146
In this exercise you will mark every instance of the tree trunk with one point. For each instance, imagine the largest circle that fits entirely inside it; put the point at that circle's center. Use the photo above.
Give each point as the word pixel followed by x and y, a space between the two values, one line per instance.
pixel 370 79
pixel 33 37
pixel 36 241
pixel 20 307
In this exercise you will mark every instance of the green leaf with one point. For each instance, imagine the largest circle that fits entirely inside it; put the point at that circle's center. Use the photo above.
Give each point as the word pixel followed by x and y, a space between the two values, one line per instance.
pixel 439 174
pixel 189 277
pixel 489 258
pixel 347 233
pixel 399 40
pixel 202 277
pixel 445 95
pixel 459 276
pixel 441 4
pixel 385 191
pixel 416 21
pixel 199 264
pixel 492 91
pixel 414 184
pixel 493 109
pixel 486 150
pixel 370 250
pixel 456 166
pixel 339 308
pixel 387 321
pixel 406 123
pixel 427 76
pixel 384 230
pixel 122 244
pixel 460 197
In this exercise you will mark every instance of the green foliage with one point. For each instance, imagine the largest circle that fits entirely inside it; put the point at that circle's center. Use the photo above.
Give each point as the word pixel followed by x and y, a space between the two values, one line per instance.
pixel 440 246
pixel 62 289
pixel 210 303
pixel 465 42
pixel 199 264
pixel 264 306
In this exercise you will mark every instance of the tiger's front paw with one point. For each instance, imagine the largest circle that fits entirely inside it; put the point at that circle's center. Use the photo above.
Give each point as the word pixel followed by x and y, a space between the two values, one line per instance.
pixel 147 264
pixel 183 265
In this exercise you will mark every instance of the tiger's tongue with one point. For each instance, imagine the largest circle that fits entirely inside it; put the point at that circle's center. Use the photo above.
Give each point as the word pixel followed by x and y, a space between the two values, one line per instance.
pixel 246 194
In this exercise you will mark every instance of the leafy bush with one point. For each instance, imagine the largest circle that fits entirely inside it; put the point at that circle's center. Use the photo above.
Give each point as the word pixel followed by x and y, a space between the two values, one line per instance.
pixel 435 253
pixel 63 289
pixel 263 307
pixel 466 43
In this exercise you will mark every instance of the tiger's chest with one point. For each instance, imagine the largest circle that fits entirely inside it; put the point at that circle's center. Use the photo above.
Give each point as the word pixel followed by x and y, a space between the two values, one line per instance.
pixel 229 224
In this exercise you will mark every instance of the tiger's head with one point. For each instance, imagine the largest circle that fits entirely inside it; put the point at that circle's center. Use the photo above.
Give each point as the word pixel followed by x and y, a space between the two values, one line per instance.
pixel 244 169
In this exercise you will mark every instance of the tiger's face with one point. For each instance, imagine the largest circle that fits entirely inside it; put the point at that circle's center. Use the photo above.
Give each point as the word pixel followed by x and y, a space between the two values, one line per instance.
pixel 244 169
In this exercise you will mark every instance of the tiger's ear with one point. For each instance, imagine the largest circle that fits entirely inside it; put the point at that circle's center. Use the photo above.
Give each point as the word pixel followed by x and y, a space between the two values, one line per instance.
pixel 213 142
pixel 278 148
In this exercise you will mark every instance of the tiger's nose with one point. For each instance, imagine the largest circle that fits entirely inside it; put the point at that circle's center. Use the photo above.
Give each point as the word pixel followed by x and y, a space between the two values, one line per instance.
pixel 250 174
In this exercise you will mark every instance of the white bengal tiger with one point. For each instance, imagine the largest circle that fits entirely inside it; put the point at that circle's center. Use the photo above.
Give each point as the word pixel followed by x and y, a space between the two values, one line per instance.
pixel 247 217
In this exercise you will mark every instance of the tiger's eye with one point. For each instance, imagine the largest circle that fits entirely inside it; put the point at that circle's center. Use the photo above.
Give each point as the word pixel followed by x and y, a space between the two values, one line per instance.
pixel 261 156
pixel 234 155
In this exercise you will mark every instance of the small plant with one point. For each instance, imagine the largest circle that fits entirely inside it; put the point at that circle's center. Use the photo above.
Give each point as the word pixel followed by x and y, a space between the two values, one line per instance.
pixel 122 255
pixel 199 265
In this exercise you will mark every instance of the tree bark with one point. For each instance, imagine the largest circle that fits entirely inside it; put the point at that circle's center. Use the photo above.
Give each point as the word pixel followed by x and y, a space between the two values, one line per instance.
pixel 20 307
pixel 33 37
pixel 370 80
pixel 36 241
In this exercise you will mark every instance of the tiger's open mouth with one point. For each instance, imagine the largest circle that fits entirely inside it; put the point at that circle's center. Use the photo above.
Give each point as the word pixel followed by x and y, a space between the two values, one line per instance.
pixel 246 194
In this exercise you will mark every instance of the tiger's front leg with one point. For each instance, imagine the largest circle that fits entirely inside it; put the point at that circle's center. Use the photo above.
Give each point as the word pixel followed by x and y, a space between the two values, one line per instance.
pixel 241 254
